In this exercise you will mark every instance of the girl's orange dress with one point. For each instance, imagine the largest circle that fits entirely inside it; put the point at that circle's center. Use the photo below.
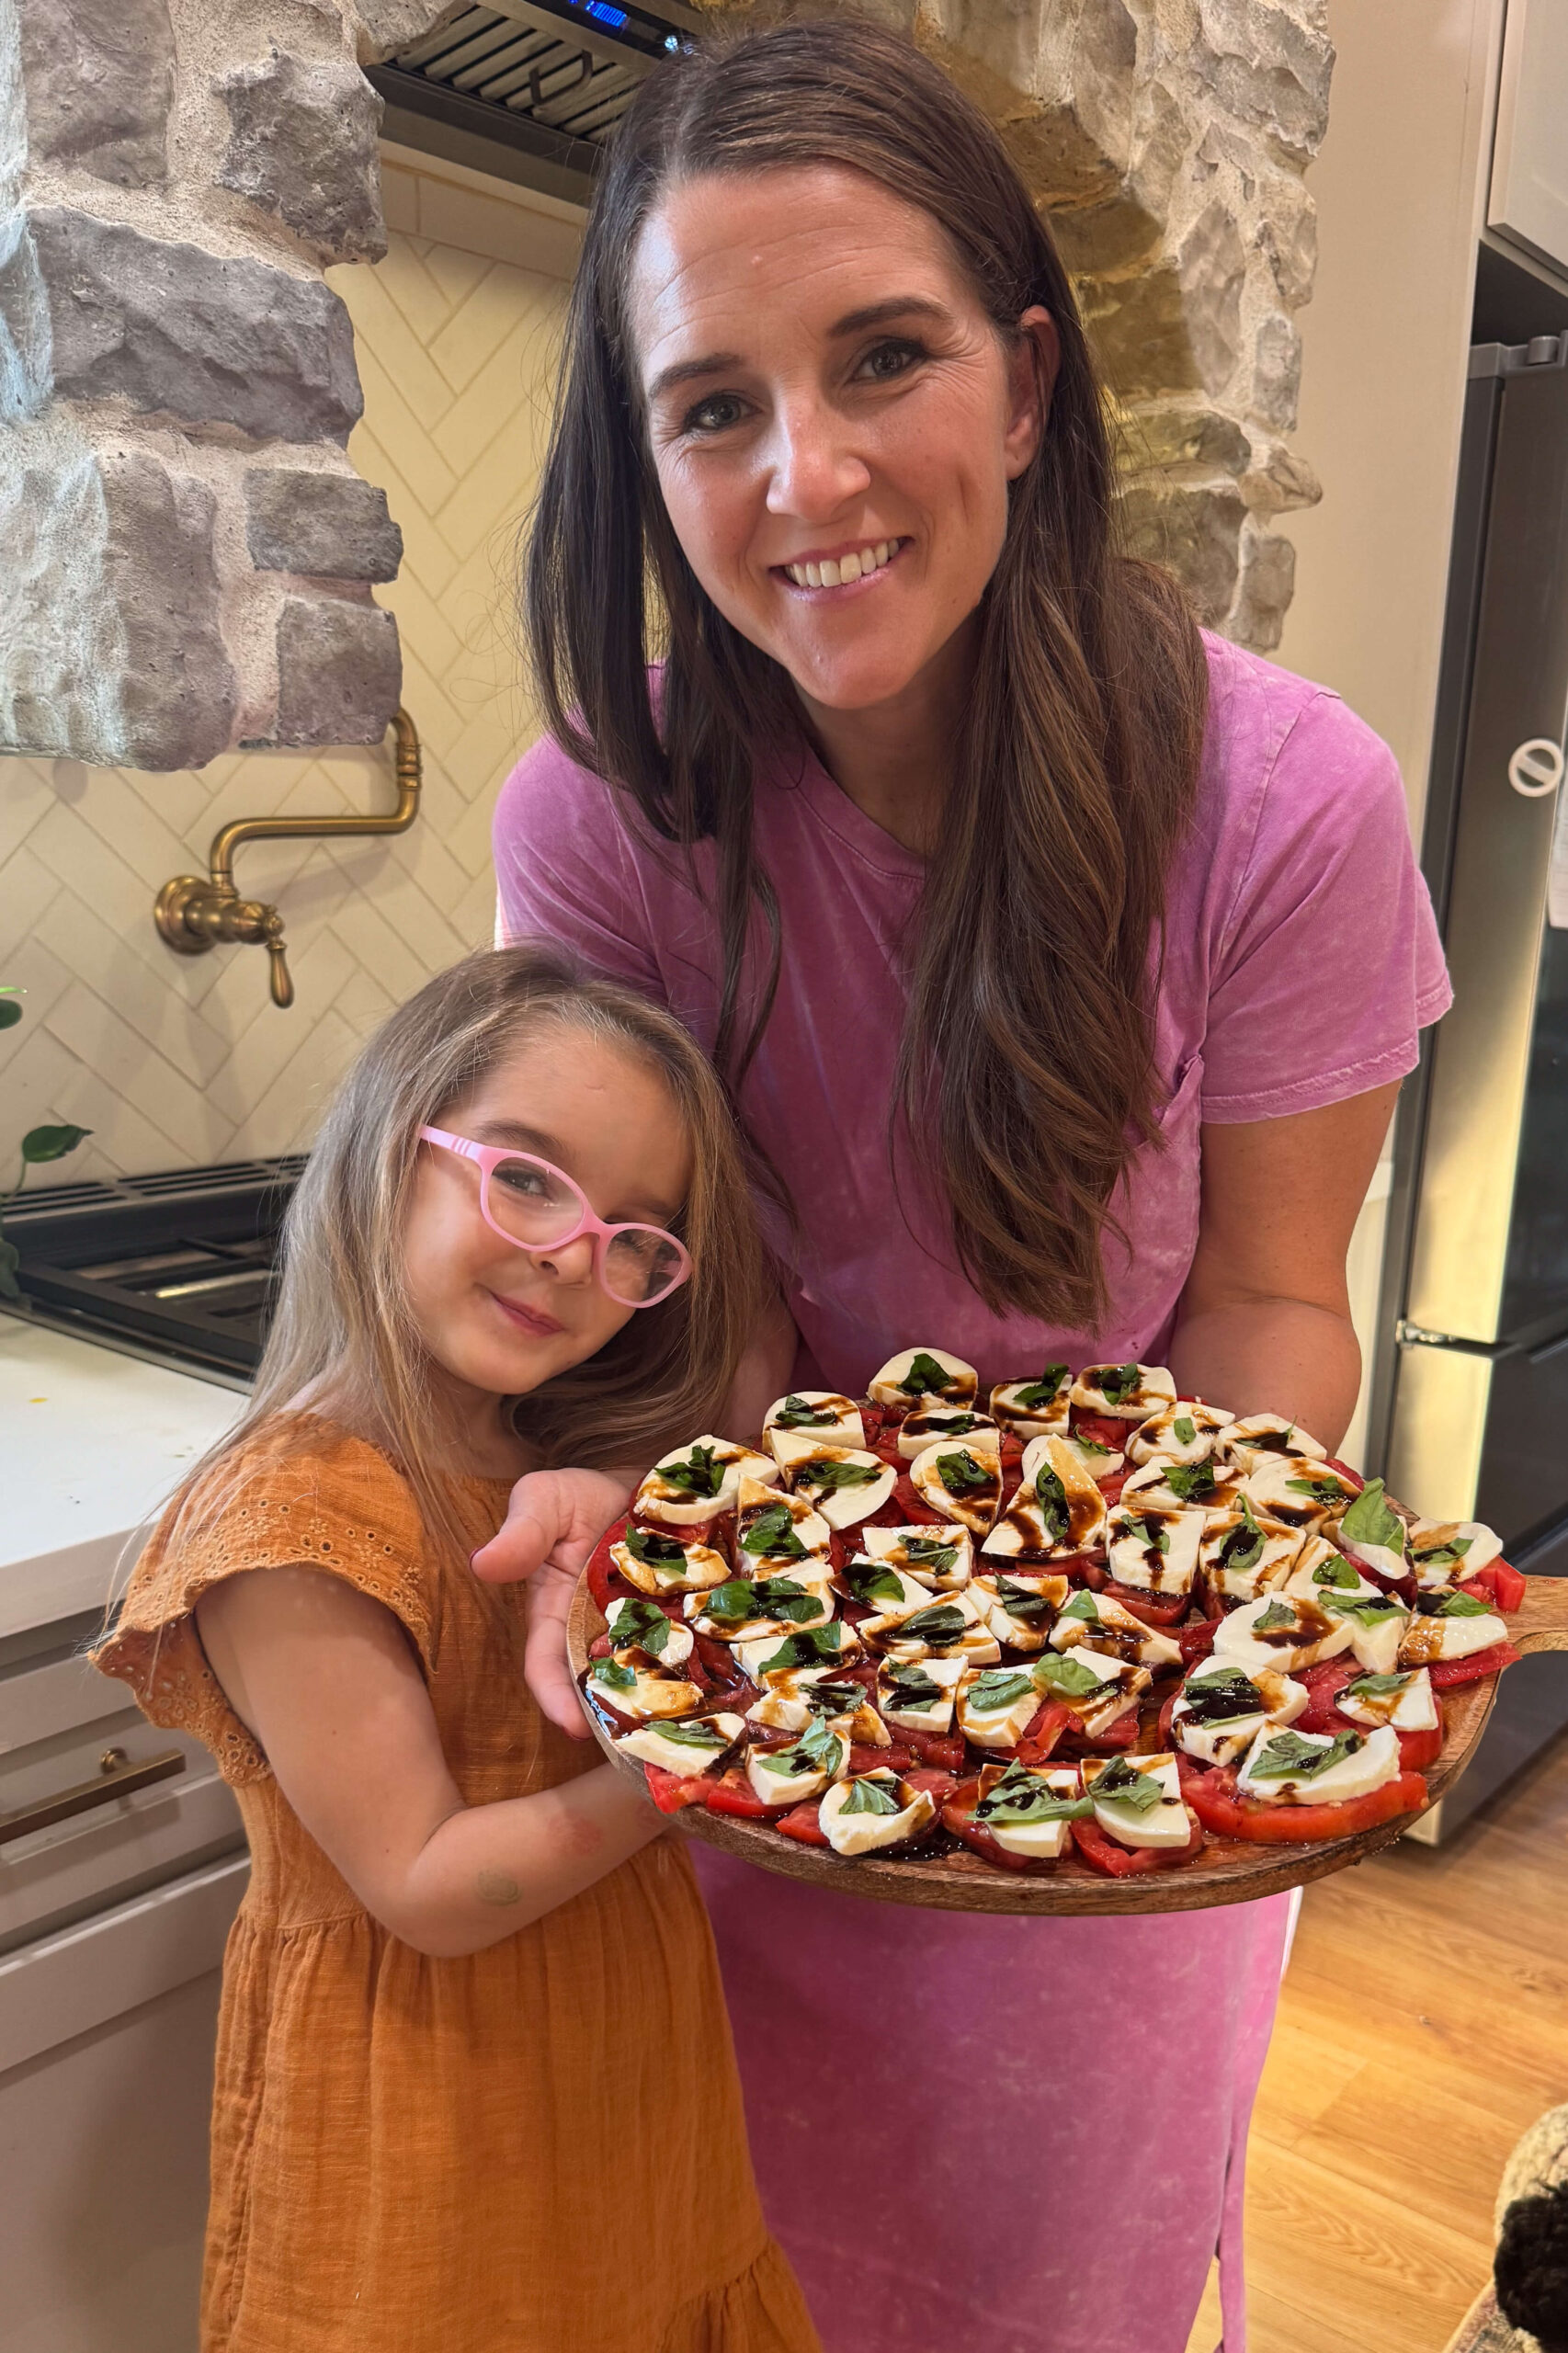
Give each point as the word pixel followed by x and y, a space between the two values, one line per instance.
pixel 538 2146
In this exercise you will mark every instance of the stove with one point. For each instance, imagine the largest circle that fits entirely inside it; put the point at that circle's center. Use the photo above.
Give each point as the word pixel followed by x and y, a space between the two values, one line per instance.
pixel 178 1266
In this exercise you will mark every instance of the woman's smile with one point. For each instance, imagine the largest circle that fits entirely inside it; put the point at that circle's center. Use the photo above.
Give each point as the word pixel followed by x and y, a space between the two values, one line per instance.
pixel 847 565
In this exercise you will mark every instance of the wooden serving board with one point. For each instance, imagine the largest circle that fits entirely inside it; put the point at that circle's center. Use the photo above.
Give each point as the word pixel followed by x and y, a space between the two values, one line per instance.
pixel 1229 1870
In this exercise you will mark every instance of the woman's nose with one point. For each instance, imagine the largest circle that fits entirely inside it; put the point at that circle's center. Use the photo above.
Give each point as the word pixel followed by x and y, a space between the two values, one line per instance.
pixel 572 1263
pixel 814 468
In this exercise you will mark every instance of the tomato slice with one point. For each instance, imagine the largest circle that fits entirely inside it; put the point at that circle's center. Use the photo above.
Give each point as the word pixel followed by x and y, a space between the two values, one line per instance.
pixel 1345 1472
pixel 604 1580
pixel 1196 1638
pixel 1111 1487
pixel 1323 1683
pixel 1219 1805
pixel 1152 1609
pixel 1103 1854
pixel 907 1508
pixel 671 1792
pixel 958 1816
pixel 865 1756
pixel 1504 1587
pixel 1120 1735
pixel 803 1823
pixel 942 1752
pixel 732 1794
pixel 1104 1428
pixel 1043 1729
pixel 936 1785
pixel 1451 1674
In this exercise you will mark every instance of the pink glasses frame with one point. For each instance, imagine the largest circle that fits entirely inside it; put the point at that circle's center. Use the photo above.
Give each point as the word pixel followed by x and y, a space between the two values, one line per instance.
pixel 487 1157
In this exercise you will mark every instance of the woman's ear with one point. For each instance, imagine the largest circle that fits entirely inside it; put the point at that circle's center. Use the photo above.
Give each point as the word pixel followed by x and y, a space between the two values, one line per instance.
pixel 1032 367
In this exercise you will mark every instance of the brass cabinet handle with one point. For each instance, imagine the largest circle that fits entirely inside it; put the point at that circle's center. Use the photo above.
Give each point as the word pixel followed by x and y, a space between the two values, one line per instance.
pixel 116 1779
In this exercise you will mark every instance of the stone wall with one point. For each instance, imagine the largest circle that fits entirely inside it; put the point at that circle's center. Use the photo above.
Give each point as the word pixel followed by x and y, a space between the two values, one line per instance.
pixel 190 554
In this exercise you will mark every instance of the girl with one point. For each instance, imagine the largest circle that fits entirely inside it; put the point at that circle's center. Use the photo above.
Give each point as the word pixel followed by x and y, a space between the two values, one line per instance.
pixel 474 2085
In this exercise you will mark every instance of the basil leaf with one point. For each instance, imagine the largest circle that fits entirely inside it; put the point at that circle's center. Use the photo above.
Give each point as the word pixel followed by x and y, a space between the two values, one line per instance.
pixel 1122 1784
pixel 782 1598
pixel 1083 1605
pixel 926 1552
pixel 639 1621
pixel 1090 1445
pixel 1321 1491
pixel 1336 1572
pixel 1189 1479
pixel 1289 1753
pixel 911 1686
pixel 1022 1797
pixel 998 1688
pixel 693 1736
pixel 943 1622
pixel 731 1604
pixel 1442 1556
pixel 834 1698
pixel 876 1582
pixel 1051 1497
pixel 1274 1618
pixel 654 1552
pixel 1367 1608
pixel 1156 1538
pixel 961 1471
pixel 1118 1382
pixel 1369 1520
pixel 1043 1391
pixel 1379 1686
pixel 1464 1604
pixel 925 1378
pixel 1242 1548
pixel 1228 1682
pixel 772 1530
pixel 701 1472
pixel 1020 1600
pixel 811 1646
pixel 796 1414
pixel 818 1750
pixel 609 1672
pixel 944 1424
pixel 1185 1430
pixel 871 1797
pixel 830 1474
pixel 1064 1674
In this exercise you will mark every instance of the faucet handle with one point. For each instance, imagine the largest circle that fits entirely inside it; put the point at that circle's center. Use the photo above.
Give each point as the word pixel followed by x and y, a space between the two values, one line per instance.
pixel 278 966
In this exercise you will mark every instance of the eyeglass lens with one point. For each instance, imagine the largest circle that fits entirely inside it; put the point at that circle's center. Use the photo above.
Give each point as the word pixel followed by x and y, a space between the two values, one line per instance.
pixel 536 1207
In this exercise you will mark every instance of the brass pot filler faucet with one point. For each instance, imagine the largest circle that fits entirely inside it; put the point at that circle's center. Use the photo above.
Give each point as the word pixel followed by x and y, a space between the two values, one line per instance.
pixel 194 911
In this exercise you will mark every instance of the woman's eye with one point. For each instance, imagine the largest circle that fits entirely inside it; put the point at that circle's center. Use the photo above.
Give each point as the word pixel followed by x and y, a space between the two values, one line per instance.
pixel 715 414
pixel 891 359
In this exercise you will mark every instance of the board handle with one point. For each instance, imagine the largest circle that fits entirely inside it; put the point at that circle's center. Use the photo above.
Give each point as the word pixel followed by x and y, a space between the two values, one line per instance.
pixel 1541 1622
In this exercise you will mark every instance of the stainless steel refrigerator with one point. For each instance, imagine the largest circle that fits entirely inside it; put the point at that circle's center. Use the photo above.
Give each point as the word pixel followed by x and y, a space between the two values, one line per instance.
pixel 1470 1408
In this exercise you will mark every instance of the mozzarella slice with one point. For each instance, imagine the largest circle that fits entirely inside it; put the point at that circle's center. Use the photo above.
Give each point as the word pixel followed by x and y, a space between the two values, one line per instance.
pixel 939 1476
pixel 1208 1487
pixel 1182 1433
pixel 1136 1390
pixel 996 1705
pixel 1100 1461
pixel 1281 1630
pixel 904 1692
pixel 892 1592
pixel 812 1605
pixel 1114 1685
pixel 647 1696
pixel 817 1413
pixel 1099 1621
pixel 1033 1408
pixel 1167 1823
pixel 851 1832
pixel 784 1777
pixel 764 1540
pixel 940 1624
pixel 1321 1572
pixel 1221 1708
pixel 789 1702
pixel 844 1482
pixel 940 1380
pixel 1040 1841
pixel 1019 1615
pixel 920 1551
pixel 769 1657
pixel 706 1476
pixel 1260 1437
pixel 1411 1706
pixel 627 1627
pixel 1374 1761
pixel 1299 1491
pixel 664 1564
pixel 947 1424
pixel 1443 1550
pixel 1377 1620
pixel 1156 1551
pixel 1445 1635
pixel 1068 1517
pixel 1241 1558
pixel 689 1747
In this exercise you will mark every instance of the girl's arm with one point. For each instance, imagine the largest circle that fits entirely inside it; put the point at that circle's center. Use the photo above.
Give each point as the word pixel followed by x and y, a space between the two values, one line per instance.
pixel 1264 1322
pixel 327 1681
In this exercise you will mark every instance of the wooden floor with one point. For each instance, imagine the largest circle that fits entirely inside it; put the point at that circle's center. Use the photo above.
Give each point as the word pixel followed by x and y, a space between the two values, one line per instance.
pixel 1423 2025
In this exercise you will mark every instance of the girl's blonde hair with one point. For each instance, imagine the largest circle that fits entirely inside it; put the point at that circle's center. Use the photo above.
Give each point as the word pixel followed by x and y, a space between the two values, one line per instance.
pixel 343 1330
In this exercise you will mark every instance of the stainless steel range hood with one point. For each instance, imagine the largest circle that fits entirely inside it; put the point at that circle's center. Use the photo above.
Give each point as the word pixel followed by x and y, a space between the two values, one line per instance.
pixel 531 90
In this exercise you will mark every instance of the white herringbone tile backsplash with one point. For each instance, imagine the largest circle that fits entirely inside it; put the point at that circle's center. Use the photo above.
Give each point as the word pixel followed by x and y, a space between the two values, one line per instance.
pixel 174 1061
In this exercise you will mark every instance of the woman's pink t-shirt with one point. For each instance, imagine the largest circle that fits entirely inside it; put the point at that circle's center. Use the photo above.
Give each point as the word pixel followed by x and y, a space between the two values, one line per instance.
pixel 1300 961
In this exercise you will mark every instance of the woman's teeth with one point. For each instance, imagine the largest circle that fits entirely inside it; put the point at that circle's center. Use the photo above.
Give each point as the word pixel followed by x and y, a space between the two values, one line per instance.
pixel 833 574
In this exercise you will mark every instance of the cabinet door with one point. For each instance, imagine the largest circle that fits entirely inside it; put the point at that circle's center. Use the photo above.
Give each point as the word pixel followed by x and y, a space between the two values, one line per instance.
pixel 1530 162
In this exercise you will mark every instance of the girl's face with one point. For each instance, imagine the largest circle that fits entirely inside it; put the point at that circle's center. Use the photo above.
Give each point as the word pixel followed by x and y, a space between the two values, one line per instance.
pixel 499 1320
pixel 824 388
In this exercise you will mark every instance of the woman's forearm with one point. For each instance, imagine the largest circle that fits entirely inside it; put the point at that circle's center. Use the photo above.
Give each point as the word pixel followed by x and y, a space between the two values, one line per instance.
pixel 1272 1356
pixel 487 1870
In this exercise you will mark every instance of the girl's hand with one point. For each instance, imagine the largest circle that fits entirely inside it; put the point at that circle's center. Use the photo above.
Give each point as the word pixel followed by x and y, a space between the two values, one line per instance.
pixel 553 1521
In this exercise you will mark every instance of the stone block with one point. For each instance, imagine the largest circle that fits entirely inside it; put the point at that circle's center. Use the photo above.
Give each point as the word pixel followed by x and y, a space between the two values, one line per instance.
pixel 24 325
pixel 178 694
pixel 1213 269
pixel 1268 584
pixel 1139 329
pixel 1187 433
pixel 1195 531
pixel 339 672
pixel 209 339
pixel 335 525
pixel 98 78
pixel 304 145
pixel 388 24
pixel 1268 68
pixel 1277 371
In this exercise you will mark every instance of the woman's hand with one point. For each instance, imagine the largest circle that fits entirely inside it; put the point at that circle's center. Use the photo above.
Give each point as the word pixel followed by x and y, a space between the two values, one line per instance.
pixel 554 1518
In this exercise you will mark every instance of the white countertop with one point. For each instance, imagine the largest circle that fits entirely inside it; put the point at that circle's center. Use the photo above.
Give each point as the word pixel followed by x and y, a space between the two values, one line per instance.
pixel 91 1443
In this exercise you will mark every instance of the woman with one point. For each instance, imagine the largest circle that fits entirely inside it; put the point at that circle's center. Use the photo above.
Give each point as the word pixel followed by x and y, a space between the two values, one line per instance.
pixel 1063 964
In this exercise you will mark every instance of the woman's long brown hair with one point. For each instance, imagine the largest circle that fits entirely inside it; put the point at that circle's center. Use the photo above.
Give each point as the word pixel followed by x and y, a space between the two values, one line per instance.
pixel 1028 1052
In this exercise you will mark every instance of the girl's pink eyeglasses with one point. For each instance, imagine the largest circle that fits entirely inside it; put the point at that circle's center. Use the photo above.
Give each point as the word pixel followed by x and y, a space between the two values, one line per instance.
pixel 527 1201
